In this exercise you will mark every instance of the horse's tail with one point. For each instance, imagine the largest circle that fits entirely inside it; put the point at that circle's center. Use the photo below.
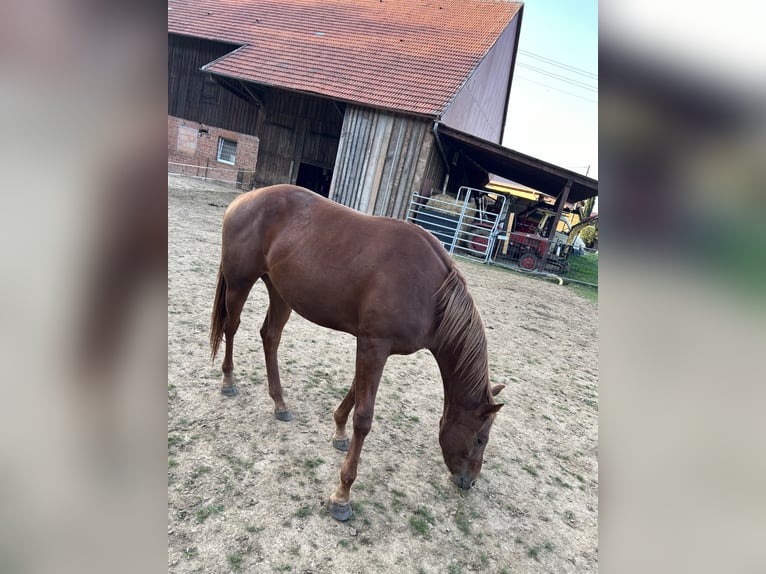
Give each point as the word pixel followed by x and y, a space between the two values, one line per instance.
pixel 218 319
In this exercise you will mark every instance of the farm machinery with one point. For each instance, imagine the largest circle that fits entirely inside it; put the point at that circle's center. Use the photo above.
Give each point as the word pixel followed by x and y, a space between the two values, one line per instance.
pixel 529 247
pixel 479 224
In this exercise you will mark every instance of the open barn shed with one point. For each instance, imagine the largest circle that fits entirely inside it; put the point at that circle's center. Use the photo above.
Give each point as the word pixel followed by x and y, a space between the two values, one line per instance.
pixel 341 97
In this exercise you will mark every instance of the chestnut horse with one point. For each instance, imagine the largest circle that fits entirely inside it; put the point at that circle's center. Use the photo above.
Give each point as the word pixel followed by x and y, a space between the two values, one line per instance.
pixel 389 283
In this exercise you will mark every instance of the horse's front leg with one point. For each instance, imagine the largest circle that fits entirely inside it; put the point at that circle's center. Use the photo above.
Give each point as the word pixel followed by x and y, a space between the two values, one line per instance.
pixel 371 355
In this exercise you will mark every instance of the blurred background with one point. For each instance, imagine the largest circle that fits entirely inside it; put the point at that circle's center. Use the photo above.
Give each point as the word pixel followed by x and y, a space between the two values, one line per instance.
pixel 83 222
pixel 83 290
pixel 682 313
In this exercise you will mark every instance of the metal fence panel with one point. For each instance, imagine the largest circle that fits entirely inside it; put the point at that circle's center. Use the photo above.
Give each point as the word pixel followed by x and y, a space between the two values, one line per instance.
pixel 463 225
pixel 466 230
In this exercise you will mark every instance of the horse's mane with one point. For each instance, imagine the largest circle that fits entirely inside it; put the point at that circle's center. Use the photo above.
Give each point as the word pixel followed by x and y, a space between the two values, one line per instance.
pixel 460 332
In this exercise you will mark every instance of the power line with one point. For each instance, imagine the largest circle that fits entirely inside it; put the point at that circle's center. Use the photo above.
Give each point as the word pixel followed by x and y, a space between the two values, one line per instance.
pixel 559 77
pixel 556 89
pixel 560 64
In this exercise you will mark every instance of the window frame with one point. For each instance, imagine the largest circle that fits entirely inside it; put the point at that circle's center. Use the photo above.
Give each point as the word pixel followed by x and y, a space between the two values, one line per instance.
pixel 221 141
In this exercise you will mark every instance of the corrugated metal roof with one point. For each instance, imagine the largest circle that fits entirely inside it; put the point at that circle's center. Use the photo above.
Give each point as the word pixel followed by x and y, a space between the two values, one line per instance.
pixel 408 55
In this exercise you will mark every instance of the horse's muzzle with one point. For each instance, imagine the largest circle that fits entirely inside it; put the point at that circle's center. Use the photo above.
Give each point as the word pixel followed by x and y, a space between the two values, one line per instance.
pixel 463 481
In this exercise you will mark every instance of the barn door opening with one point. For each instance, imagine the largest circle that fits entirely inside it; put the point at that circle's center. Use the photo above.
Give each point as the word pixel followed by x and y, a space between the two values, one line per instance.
pixel 315 178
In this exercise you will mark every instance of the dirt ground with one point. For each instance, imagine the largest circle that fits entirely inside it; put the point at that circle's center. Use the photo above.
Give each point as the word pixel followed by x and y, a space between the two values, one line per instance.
pixel 248 493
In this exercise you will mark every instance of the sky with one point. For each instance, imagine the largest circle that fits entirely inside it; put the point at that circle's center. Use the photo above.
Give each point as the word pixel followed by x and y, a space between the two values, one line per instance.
pixel 556 118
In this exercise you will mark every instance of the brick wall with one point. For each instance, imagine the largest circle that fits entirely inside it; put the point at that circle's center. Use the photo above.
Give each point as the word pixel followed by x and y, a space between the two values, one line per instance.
pixel 193 150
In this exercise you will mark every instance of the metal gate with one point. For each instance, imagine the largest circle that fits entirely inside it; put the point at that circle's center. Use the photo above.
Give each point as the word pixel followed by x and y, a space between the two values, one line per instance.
pixel 466 225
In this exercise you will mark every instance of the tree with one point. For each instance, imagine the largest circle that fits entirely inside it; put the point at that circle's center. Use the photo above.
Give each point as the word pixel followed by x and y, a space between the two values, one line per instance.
pixel 589 235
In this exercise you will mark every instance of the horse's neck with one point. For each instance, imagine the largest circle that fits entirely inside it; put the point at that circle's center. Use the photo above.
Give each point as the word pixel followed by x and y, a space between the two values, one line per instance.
pixel 459 344
pixel 459 390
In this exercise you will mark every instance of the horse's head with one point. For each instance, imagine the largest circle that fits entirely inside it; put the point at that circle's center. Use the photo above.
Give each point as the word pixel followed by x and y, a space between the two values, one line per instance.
pixel 463 435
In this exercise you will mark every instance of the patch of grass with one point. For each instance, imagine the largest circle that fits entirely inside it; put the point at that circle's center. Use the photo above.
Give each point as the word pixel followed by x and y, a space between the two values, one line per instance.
pixel 534 551
pixel 207 511
pixel 173 440
pixel 236 561
pixel 190 552
pixel 530 469
pixel 398 501
pixel 344 542
pixel 584 268
pixel 420 520
pixel 172 462
pixel 461 521
pixel 237 464
pixel 305 511
pixel 377 505
pixel 283 568
pixel 415 419
pixel 255 529
pixel 172 392
pixel 199 471
pixel 312 463
pixel 358 509
pixel 585 291
pixel 559 482
pixel 255 379
pixel 455 568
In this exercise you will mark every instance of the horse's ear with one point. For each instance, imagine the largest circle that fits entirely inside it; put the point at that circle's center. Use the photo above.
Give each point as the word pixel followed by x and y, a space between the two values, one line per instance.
pixel 496 389
pixel 487 410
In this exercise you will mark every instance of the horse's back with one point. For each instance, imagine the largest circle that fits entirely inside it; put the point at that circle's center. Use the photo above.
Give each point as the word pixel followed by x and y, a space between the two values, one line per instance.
pixel 335 266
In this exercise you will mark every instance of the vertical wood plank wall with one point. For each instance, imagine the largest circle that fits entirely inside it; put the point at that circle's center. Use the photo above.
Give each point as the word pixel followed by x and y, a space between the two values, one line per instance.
pixel 382 159
pixel 295 128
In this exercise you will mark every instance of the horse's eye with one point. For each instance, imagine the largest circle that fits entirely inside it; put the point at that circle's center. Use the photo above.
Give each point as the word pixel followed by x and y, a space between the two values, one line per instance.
pixel 480 441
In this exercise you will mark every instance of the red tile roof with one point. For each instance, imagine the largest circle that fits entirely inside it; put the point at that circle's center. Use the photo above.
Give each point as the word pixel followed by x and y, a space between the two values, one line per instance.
pixel 409 55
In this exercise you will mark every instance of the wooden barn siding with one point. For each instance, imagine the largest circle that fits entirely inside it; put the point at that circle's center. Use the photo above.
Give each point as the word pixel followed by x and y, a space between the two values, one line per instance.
pixel 186 83
pixel 479 106
pixel 382 160
pixel 295 128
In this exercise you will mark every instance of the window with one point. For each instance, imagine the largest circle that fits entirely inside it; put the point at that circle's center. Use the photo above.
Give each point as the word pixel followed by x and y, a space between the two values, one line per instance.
pixel 227 151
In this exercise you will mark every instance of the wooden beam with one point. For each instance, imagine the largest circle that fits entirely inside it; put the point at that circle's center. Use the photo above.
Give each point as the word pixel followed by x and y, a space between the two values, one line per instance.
pixel 560 201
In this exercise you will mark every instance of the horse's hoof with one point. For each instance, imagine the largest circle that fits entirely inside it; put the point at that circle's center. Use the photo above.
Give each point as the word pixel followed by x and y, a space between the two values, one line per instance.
pixel 283 415
pixel 340 511
pixel 229 391
pixel 341 444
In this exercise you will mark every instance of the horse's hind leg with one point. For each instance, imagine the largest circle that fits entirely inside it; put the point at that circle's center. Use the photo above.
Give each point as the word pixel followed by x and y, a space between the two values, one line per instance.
pixel 340 440
pixel 236 295
pixel 271 333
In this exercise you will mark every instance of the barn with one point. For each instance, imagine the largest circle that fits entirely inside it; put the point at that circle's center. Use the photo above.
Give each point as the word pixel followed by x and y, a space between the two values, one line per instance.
pixel 345 97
